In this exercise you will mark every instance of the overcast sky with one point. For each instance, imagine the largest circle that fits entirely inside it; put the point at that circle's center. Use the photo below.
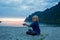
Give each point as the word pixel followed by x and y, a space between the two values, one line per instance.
pixel 23 8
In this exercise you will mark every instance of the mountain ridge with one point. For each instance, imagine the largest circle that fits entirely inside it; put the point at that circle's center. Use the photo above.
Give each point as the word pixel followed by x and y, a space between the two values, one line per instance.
pixel 51 15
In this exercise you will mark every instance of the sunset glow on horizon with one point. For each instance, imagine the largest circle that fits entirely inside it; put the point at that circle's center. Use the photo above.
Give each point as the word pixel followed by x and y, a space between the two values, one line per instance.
pixel 12 21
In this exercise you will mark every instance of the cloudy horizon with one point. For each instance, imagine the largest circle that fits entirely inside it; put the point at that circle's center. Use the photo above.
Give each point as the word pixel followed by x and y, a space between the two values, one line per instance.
pixel 14 12
pixel 21 8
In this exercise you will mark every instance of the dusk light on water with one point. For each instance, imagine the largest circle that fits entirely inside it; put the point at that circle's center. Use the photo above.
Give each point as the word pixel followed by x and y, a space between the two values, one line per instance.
pixel 12 21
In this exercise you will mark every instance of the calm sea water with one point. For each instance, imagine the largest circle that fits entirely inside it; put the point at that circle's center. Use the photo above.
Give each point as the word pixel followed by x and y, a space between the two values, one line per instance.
pixel 18 33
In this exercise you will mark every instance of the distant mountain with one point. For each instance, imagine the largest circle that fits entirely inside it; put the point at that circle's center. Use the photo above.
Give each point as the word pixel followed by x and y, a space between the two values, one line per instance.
pixel 51 16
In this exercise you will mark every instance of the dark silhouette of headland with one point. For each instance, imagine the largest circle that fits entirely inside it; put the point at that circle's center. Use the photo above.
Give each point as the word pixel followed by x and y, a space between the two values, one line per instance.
pixel 49 16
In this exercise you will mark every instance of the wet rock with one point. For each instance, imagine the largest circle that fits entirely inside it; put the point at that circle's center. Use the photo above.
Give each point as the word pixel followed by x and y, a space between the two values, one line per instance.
pixel 0 21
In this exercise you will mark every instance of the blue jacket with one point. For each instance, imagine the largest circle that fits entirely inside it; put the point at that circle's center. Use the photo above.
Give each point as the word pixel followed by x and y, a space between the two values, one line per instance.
pixel 35 27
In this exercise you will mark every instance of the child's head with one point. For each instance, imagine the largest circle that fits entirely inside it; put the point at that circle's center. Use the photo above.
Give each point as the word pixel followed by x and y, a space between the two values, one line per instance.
pixel 35 18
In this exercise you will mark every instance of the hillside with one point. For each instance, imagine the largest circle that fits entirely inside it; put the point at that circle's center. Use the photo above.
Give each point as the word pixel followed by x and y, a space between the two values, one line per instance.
pixel 51 16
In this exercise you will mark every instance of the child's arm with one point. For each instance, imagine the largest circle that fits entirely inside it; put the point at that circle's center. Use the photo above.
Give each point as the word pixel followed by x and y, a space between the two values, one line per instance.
pixel 26 24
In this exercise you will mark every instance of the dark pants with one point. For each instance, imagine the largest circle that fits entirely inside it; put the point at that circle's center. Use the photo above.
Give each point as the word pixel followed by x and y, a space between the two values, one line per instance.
pixel 31 32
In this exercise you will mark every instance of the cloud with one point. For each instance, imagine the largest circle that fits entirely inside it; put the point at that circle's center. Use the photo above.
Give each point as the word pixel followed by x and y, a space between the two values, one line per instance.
pixel 50 1
pixel 33 3
pixel 25 7
pixel 10 1
pixel 22 8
